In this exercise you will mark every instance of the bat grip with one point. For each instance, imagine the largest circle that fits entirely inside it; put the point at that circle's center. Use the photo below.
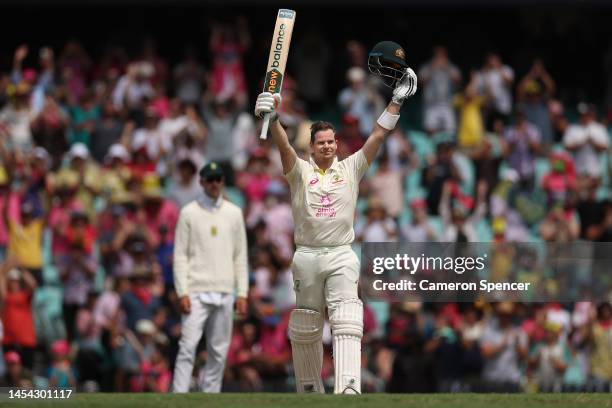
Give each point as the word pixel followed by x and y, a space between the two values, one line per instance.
pixel 264 127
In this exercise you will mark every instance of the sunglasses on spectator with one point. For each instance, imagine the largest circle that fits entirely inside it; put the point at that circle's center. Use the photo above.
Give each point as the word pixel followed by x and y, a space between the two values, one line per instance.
pixel 213 179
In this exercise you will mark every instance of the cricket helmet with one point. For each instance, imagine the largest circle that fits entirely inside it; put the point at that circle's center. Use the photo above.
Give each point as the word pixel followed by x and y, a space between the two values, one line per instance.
pixel 388 60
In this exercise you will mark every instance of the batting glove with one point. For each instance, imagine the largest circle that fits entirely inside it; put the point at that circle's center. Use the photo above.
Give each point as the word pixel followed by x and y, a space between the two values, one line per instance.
pixel 267 103
pixel 406 88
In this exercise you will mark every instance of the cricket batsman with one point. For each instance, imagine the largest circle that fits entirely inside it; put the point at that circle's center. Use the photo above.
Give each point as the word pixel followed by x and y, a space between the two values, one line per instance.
pixel 324 194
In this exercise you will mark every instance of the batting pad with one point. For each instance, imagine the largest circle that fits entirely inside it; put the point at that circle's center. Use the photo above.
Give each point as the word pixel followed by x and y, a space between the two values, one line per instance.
pixel 305 333
pixel 347 330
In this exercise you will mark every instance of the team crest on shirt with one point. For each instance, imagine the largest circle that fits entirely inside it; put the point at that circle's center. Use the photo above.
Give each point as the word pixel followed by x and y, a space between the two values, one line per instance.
pixel 213 231
pixel 337 179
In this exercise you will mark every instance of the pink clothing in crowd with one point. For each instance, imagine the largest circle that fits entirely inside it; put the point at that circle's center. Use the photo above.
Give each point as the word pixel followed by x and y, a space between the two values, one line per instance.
pixel 13 201
pixel 168 216
pixel 59 219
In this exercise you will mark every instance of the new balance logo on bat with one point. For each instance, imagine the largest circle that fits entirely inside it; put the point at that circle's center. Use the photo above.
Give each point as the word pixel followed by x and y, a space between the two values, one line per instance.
pixel 273 81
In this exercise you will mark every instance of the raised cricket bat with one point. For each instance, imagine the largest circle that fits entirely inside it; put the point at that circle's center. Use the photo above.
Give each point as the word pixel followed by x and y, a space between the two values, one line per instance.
pixel 279 51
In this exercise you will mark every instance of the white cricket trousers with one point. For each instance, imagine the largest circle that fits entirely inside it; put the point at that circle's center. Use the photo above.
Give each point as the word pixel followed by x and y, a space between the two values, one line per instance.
pixel 324 276
pixel 216 322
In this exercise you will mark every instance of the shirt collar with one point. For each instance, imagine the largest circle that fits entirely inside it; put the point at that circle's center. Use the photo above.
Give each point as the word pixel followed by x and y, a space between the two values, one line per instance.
pixel 209 203
pixel 334 165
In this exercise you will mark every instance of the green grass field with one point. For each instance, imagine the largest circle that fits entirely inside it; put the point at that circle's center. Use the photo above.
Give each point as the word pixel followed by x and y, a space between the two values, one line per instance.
pixel 197 400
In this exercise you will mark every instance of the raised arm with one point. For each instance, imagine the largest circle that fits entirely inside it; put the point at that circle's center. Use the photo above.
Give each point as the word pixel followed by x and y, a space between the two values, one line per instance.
pixel 267 103
pixel 378 135
pixel 287 152
pixel 388 119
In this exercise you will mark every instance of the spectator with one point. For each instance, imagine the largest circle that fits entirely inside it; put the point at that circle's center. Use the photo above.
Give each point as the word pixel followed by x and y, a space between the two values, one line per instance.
pixel 601 356
pixel 181 122
pixel 439 77
pixel 17 289
pixel 255 179
pixel 63 188
pixel 494 82
pixel 186 188
pixel 16 375
pixel 220 118
pixel 140 302
pixel 560 182
pixel 146 139
pixel 561 224
pixel 83 117
pixel 106 131
pixel 190 78
pixel 420 229
pixel 349 137
pixel 503 348
pixel 413 369
pixel 533 94
pixel 74 65
pixel 471 124
pixel 459 225
pixel 228 43
pixel 42 83
pixel 49 129
pixel 61 372
pixel 134 88
pixel 471 331
pixel 523 141
pixel 137 348
pixel 439 169
pixel 378 226
pixel 25 239
pixel 157 211
pixel 387 185
pixel 116 173
pixel 360 99
pixel 550 360
pixel 586 141
pixel 16 119
pixel 592 213
pixel 90 362
pixel 6 199
pixel 150 56
pixel 275 212
pixel 77 270
pixel 155 376
pixel 82 175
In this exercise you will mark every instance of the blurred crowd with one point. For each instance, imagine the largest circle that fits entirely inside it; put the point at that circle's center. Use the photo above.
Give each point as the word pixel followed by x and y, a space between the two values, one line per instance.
pixel 100 152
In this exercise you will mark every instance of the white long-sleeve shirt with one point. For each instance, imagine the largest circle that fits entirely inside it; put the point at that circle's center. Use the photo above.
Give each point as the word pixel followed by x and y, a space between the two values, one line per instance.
pixel 210 249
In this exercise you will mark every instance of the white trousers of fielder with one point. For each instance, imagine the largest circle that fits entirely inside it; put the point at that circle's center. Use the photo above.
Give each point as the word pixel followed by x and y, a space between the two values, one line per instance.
pixel 216 321
pixel 326 277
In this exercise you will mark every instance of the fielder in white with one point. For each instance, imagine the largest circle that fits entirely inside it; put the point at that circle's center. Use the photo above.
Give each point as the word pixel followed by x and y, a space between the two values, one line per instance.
pixel 210 268
pixel 323 198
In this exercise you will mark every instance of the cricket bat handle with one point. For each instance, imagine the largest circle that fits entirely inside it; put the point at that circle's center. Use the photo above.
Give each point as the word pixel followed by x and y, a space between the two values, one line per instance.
pixel 264 127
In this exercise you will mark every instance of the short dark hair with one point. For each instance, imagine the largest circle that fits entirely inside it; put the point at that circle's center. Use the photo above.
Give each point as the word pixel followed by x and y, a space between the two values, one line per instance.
pixel 318 126
pixel 187 164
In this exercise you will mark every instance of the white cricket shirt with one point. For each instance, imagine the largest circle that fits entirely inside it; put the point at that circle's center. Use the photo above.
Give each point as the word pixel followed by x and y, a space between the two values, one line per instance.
pixel 210 249
pixel 323 202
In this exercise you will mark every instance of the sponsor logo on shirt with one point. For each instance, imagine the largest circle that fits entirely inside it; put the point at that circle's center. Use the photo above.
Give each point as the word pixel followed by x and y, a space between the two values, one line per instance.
pixel 326 210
